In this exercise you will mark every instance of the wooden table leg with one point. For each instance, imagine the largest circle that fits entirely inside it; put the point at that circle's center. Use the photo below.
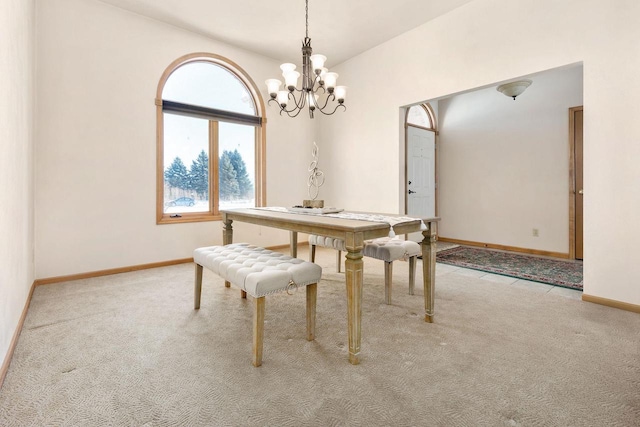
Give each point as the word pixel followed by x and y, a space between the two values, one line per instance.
pixel 294 243
pixel 227 236
pixel 429 270
pixel 353 273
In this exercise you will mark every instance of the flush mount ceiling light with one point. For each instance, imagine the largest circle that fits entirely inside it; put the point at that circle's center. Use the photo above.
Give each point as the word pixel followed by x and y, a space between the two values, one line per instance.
pixel 514 89
pixel 319 90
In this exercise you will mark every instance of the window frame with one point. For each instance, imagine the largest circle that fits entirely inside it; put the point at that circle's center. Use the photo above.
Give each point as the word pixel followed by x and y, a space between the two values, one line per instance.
pixel 214 117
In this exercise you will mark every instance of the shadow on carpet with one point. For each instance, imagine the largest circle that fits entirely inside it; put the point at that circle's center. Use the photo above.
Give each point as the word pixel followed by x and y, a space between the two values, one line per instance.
pixel 567 274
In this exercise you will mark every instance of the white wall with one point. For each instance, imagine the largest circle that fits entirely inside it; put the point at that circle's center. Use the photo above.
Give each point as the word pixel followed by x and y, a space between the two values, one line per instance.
pixel 506 163
pixel 488 41
pixel 16 163
pixel 98 71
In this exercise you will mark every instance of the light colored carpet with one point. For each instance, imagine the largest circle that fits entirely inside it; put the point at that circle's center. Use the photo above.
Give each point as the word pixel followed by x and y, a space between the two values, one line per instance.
pixel 129 349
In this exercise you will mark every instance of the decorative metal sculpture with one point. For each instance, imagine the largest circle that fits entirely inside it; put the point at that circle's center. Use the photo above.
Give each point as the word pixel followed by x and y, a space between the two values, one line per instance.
pixel 316 177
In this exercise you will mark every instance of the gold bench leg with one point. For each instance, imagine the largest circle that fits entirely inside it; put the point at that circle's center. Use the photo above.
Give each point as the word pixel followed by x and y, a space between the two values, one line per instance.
pixel 339 262
pixel 198 287
pixel 412 274
pixel 312 253
pixel 312 294
pixel 258 331
pixel 388 273
pixel 243 294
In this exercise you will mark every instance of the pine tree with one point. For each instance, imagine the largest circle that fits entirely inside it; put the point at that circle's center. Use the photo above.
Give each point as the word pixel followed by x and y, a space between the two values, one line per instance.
pixel 177 175
pixel 229 188
pixel 245 186
pixel 199 175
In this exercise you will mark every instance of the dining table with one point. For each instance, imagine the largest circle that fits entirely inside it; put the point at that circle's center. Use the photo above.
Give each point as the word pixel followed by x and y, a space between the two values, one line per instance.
pixel 354 228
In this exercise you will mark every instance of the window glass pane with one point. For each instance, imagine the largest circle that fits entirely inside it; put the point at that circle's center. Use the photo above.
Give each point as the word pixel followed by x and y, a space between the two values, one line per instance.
pixel 186 164
pixel 418 116
pixel 237 166
pixel 208 85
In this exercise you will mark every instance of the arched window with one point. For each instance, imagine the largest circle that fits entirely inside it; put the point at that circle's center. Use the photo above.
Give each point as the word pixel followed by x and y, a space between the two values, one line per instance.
pixel 421 116
pixel 210 142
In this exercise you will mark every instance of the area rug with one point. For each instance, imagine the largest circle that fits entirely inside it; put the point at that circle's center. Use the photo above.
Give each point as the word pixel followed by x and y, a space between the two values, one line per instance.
pixel 567 274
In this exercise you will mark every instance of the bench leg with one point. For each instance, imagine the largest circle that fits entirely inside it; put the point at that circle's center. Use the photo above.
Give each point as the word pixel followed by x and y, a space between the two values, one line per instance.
pixel 258 331
pixel 227 284
pixel 388 273
pixel 198 287
pixel 412 274
pixel 339 261
pixel 312 253
pixel 312 294
pixel 243 294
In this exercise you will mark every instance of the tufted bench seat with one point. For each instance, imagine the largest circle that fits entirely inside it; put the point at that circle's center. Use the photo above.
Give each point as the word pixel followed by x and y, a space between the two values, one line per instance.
pixel 327 242
pixel 259 272
pixel 385 249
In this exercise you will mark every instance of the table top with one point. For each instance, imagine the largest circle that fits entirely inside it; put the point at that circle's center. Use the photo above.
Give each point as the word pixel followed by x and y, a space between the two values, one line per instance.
pixel 324 225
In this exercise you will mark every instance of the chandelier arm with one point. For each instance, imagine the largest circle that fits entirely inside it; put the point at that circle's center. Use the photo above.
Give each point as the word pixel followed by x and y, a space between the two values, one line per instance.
pixel 331 97
pixel 344 107
pixel 315 84
pixel 297 110
pixel 298 104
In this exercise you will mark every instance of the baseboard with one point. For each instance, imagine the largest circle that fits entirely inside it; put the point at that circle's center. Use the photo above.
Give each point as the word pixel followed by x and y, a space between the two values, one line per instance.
pixel 611 303
pixel 505 248
pixel 108 272
pixel 14 340
pixel 90 274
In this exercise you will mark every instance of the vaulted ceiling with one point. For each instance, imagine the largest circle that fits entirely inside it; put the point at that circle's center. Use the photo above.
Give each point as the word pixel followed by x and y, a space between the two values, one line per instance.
pixel 339 29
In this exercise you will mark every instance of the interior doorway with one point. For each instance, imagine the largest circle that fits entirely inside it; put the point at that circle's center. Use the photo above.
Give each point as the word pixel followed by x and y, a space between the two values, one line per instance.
pixel 576 195
pixel 420 161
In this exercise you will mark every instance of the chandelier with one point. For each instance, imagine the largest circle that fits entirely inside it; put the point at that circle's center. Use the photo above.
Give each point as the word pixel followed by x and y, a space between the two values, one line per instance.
pixel 319 90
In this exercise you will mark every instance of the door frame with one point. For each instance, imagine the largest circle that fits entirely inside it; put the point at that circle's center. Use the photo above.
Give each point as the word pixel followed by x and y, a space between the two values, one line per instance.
pixel 432 119
pixel 572 181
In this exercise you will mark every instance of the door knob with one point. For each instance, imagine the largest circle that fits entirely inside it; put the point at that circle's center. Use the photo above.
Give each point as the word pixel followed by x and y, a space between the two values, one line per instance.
pixel 411 192
pixel 581 191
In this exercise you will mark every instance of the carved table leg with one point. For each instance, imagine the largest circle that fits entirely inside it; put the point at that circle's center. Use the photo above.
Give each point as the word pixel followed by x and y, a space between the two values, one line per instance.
pixel 353 273
pixel 429 270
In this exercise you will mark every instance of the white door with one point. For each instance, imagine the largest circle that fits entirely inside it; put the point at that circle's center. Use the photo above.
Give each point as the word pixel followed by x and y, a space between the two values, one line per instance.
pixel 421 164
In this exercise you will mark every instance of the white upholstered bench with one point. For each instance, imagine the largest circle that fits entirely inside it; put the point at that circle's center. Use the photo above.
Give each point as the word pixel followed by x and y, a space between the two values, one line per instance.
pixel 385 249
pixel 259 272
pixel 326 242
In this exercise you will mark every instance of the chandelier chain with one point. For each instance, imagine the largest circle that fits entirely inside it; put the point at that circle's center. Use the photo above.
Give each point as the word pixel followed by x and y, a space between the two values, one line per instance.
pixel 306 18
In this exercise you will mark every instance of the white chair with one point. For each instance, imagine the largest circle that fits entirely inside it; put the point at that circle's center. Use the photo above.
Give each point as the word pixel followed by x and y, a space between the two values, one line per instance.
pixel 385 249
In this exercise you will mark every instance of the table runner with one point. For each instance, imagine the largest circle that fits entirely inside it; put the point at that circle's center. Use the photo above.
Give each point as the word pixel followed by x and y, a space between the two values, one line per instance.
pixel 391 220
